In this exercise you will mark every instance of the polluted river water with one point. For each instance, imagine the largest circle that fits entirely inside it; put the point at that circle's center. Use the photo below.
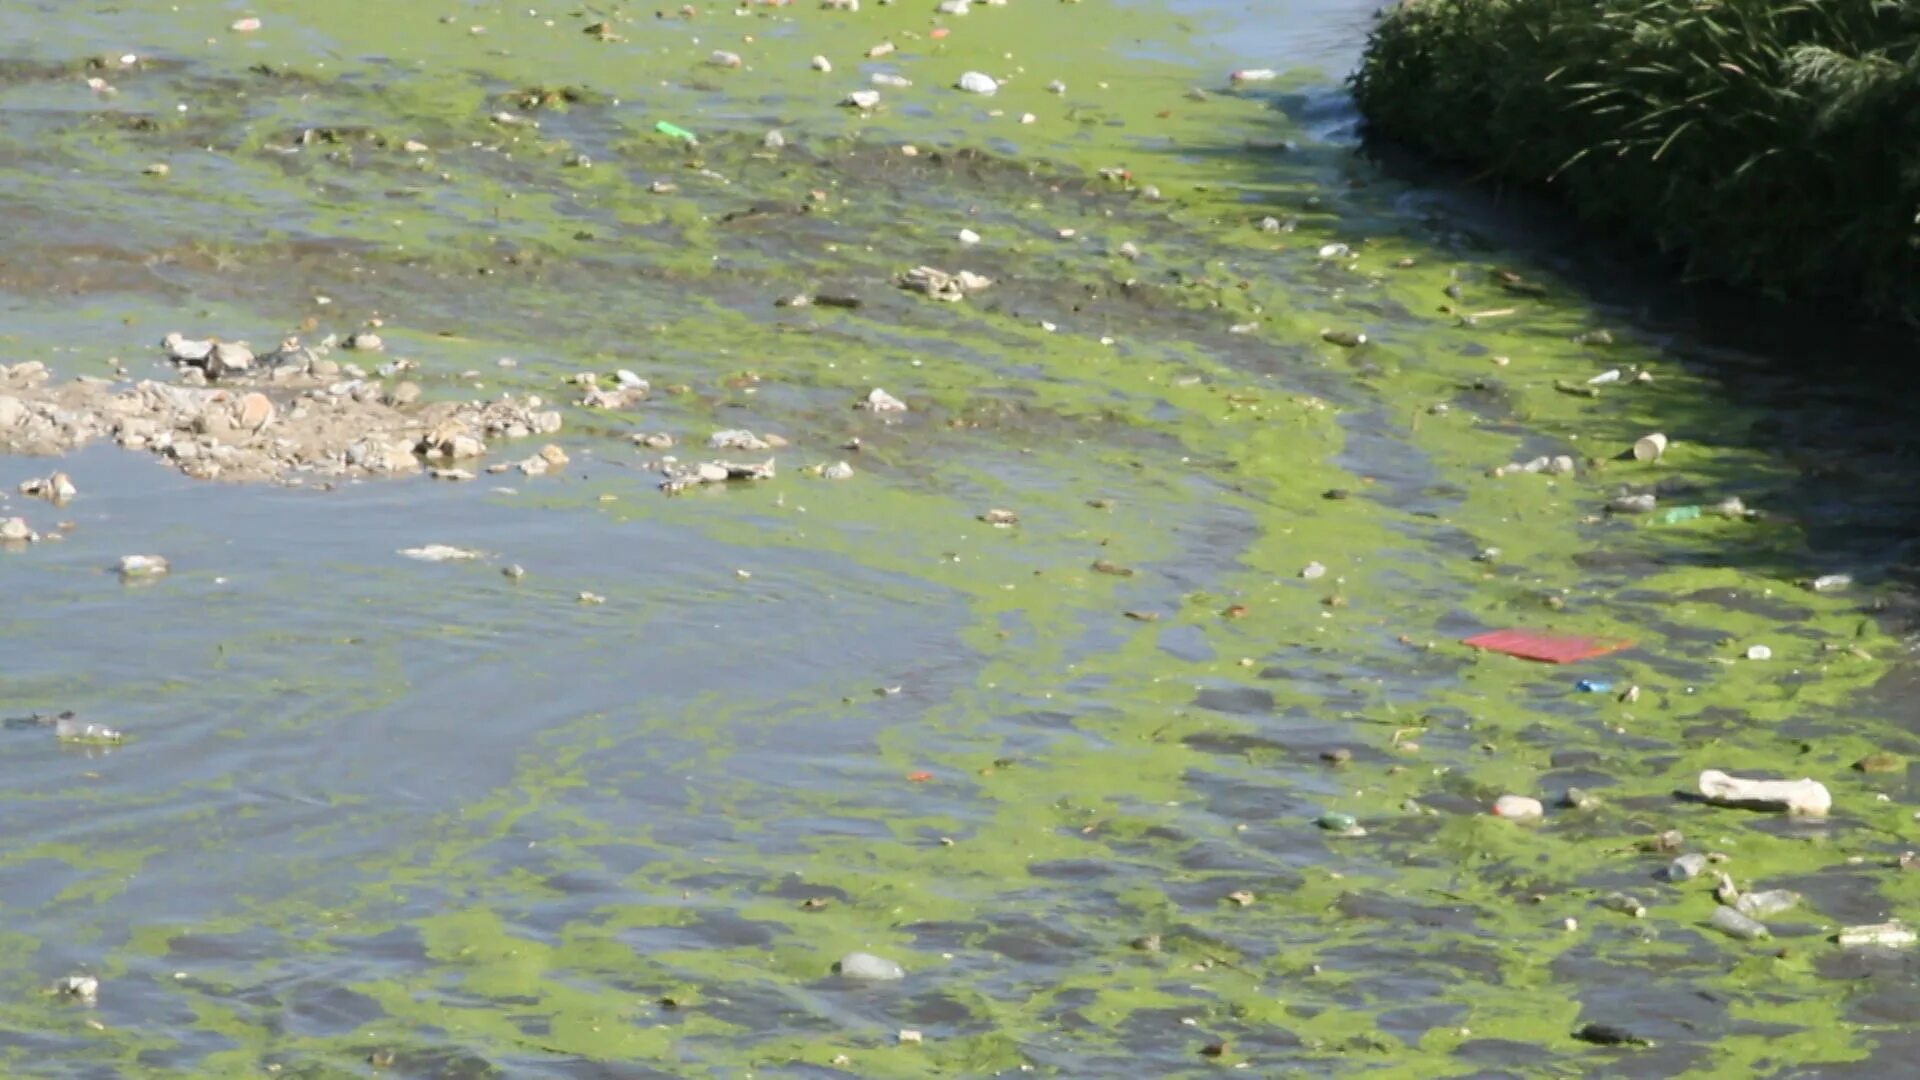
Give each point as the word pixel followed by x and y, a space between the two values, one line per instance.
pixel 1109 692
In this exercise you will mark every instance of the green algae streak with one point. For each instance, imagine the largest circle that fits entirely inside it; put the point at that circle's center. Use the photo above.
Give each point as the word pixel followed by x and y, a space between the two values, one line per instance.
pixel 639 835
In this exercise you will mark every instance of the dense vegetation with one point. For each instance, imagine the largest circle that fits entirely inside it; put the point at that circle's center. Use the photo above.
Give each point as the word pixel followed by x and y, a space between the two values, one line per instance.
pixel 1767 143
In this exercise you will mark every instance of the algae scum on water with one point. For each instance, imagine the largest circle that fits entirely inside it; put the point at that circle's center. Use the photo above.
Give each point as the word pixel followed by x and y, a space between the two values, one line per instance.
pixel 1110 687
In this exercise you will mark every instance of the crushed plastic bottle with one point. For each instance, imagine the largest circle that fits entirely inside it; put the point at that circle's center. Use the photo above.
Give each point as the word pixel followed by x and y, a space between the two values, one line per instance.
pixel 1890 934
pixel 1760 905
pixel 1733 924
pixel 860 965
pixel 73 729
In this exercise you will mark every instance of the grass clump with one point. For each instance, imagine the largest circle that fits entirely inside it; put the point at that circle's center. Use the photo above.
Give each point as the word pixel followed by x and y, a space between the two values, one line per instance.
pixel 1770 143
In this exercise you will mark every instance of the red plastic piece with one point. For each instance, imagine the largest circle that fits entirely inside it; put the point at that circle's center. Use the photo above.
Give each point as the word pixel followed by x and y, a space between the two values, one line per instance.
pixel 1547 648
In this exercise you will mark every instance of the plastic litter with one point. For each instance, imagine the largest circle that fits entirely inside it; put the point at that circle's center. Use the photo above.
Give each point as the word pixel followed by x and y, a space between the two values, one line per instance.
pixel 1806 797
pixel 1518 808
pixel 1760 905
pixel 974 82
pixel 860 965
pixel 1254 75
pixel 1890 934
pixel 1733 924
pixel 1649 447
pixel 1592 686
pixel 1547 648
pixel 1341 824
pixel 676 131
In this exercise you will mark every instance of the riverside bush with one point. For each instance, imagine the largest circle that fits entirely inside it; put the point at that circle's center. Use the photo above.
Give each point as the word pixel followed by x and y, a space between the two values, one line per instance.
pixel 1766 143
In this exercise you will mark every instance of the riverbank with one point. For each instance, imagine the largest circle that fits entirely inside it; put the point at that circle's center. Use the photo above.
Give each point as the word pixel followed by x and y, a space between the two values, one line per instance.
pixel 1758 144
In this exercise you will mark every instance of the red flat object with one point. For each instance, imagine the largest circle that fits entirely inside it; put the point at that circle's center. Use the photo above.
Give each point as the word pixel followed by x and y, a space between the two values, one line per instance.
pixel 1547 648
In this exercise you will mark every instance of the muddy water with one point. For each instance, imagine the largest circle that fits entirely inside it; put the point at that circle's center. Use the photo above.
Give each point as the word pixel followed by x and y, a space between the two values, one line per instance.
pixel 382 816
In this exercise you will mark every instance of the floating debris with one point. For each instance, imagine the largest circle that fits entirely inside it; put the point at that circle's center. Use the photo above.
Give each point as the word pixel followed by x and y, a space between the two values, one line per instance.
pixel 1733 924
pixel 866 966
pixel 1609 1035
pixel 142 566
pixel 1547 648
pixel 679 478
pixel 1888 934
pixel 1518 808
pixel 942 285
pixel 440 553
pixel 878 400
pixel 1806 797
pixel 974 82
pixel 1650 447
pixel 57 488
pixel 83 988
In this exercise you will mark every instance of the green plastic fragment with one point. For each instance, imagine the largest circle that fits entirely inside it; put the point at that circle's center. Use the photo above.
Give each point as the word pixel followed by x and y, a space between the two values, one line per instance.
pixel 667 128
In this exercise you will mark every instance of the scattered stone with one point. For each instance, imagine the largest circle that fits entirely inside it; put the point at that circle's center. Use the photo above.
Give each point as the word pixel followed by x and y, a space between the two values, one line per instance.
pixel 1823 583
pixel 305 422
pixel 839 470
pixel 865 100
pixel 1145 943
pixel 721 58
pixel 1518 808
pixel 57 488
pixel 1759 652
pixel 868 967
pixel 1346 339
pixel 974 82
pixel 1337 756
pixel 1313 571
pixel 142 566
pixel 592 599
pixel 1625 905
pixel 1880 763
pixel 1609 1035
pixel 1241 897
pixel 1579 799
pixel 450 474
pixel 439 553
pixel 679 477
pixel 1686 867
pixel 15 530
pixel 1001 519
pixel 656 441
pixel 1632 504
pixel 1806 797
pixel 878 400
pixel 514 571
pixel 941 285
pixel 821 63
pixel 888 80
pixel 365 342
pixel 910 1037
